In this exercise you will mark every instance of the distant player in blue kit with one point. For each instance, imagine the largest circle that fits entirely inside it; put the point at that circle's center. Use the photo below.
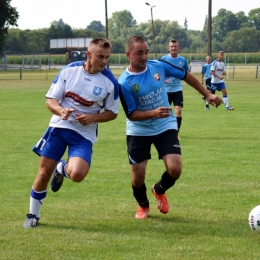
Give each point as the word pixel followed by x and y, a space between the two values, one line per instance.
pixel 150 120
pixel 173 85
pixel 217 82
pixel 206 76
pixel 82 95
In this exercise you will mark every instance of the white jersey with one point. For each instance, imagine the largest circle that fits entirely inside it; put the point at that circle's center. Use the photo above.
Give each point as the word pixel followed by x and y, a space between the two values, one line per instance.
pixel 86 93
pixel 218 67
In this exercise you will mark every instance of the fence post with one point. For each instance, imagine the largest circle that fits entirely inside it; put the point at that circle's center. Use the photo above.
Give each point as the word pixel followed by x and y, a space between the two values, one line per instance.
pixel 23 60
pixel 5 61
pixel 31 61
pixel 20 72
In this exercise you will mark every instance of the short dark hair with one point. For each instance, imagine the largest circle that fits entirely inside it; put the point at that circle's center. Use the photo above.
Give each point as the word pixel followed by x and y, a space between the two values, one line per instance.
pixel 173 41
pixel 131 41
pixel 101 42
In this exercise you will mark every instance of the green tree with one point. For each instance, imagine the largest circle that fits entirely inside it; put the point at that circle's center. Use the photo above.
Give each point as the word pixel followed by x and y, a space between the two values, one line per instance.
pixel 86 33
pixel 117 46
pixel 118 22
pixel 96 26
pixel 224 22
pixel 59 23
pixel 12 43
pixel 8 16
pixel 242 40
pixel 186 24
pixel 254 16
pixel 243 20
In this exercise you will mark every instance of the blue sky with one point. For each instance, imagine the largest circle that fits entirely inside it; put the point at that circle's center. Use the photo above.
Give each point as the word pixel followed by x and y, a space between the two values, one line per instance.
pixel 35 14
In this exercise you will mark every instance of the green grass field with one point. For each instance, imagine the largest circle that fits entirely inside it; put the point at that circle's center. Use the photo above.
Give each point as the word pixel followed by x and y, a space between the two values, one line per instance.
pixel 94 219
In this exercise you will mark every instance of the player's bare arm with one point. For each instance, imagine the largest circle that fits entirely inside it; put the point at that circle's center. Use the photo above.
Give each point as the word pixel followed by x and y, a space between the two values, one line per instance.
pixel 54 106
pixel 159 112
pixel 86 119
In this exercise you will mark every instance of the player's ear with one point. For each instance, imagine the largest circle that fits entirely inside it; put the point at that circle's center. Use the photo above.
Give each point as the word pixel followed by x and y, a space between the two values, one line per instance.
pixel 127 53
pixel 88 54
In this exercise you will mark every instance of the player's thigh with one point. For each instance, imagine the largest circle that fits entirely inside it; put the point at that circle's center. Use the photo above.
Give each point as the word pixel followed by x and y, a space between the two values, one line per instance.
pixel 79 154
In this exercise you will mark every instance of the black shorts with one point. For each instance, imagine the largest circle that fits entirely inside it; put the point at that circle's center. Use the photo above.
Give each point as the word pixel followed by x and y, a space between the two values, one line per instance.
pixel 176 98
pixel 208 85
pixel 139 147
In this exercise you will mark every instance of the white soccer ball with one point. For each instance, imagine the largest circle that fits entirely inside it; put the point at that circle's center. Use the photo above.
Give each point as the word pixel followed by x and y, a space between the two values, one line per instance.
pixel 254 219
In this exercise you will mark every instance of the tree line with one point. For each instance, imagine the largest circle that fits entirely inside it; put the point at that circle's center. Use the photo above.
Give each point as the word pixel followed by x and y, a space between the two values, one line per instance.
pixel 231 32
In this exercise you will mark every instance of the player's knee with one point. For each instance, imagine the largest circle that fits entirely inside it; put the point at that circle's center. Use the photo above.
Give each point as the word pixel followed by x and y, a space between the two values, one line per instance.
pixel 77 176
pixel 43 176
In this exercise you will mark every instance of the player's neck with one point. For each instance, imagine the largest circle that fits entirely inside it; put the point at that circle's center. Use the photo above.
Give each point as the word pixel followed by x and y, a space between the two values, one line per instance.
pixel 174 55
pixel 135 69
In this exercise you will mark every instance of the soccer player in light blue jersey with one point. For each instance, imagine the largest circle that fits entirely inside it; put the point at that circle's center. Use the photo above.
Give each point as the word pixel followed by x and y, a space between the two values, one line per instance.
pixel 217 82
pixel 206 76
pixel 150 120
pixel 173 85
pixel 82 95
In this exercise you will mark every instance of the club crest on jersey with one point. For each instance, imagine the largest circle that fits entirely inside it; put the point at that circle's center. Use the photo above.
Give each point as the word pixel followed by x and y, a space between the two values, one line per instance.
pixel 136 88
pixel 97 91
pixel 180 63
pixel 157 76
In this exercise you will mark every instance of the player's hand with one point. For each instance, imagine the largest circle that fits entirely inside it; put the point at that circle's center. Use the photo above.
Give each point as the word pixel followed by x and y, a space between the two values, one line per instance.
pixel 214 100
pixel 162 112
pixel 65 113
pixel 85 119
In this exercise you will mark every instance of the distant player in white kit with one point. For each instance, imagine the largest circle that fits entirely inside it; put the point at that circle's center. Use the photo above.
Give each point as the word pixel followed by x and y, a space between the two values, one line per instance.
pixel 217 82
pixel 82 95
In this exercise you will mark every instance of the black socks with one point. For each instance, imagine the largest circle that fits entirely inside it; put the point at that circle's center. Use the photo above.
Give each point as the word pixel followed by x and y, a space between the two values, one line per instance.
pixel 164 184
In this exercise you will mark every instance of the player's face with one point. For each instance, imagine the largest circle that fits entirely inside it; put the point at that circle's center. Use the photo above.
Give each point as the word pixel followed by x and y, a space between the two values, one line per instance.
pixel 174 48
pixel 98 58
pixel 220 56
pixel 137 56
pixel 208 60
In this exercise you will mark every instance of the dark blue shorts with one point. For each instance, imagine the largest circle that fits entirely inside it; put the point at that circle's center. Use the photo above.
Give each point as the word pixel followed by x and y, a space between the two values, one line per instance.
pixel 139 147
pixel 55 141
pixel 217 86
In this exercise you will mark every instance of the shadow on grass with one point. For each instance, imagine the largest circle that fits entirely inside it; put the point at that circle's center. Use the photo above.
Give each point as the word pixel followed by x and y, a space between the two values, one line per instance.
pixel 154 225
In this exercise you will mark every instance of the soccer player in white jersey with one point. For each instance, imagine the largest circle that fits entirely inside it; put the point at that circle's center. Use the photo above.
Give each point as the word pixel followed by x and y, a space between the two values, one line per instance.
pixel 217 81
pixel 174 85
pixel 82 95
pixel 150 121
pixel 206 76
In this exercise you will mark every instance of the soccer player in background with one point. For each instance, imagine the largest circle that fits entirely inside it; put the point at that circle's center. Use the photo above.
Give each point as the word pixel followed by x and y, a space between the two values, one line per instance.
pixel 173 85
pixel 217 82
pixel 206 76
pixel 150 120
pixel 82 95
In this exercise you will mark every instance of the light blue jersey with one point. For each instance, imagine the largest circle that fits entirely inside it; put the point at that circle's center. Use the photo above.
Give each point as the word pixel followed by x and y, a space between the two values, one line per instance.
pixel 144 91
pixel 206 71
pixel 173 84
